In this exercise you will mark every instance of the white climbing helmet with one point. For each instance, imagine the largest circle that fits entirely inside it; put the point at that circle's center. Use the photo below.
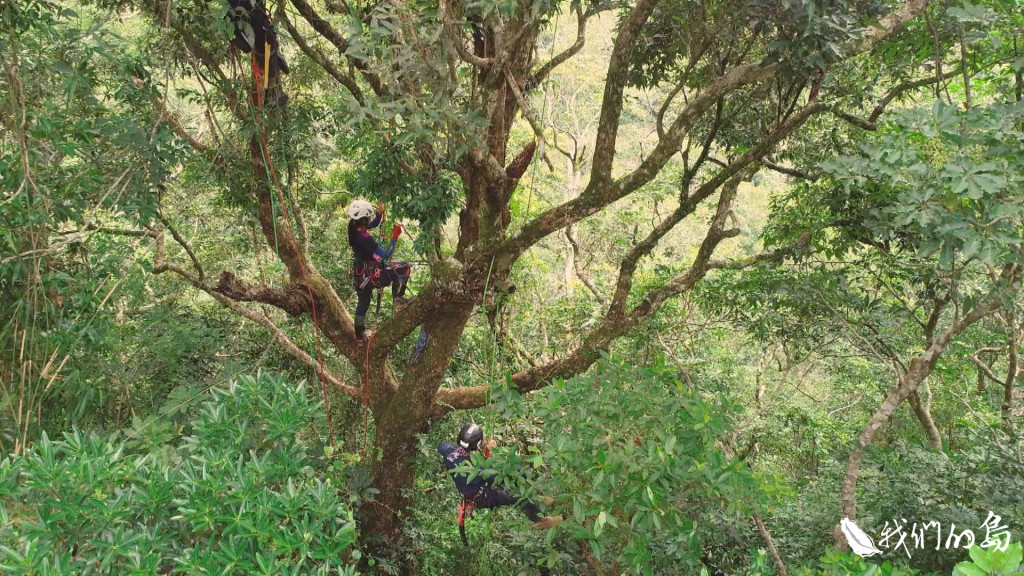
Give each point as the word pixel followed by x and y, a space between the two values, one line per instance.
pixel 360 209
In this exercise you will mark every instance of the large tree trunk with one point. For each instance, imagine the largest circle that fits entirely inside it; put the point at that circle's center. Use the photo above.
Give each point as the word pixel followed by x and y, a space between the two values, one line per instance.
pixel 920 367
pixel 399 421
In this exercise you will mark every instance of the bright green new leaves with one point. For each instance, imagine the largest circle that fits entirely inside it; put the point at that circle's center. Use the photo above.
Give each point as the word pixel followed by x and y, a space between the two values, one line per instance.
pixel 240 496
pixel 992 561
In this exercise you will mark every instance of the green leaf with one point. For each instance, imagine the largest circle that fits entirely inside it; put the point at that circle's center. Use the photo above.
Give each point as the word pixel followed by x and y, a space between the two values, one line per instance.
pixel 602 518
pixel 968 569
pixel 995 561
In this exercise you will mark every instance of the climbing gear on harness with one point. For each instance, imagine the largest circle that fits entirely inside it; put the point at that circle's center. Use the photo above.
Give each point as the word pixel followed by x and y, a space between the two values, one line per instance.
pixel 254 33
pixel 471 436
pixel 367 274
pixel 466 509
pixel 360 209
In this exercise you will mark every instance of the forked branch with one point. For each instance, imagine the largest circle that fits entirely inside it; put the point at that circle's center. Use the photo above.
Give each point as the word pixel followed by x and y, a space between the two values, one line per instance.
pixel 581 37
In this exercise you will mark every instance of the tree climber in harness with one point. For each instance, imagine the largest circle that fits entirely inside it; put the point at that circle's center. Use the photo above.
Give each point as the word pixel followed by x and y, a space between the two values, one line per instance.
pixel 371 265
pixel 254 33
pixel 481 492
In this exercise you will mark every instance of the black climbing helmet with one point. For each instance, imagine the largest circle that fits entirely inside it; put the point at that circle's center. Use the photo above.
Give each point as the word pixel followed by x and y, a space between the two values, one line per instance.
pixel 471 436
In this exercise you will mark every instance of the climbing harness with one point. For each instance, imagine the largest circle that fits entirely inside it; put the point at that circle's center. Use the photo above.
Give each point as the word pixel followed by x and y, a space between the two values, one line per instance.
pixel 466 508
pixel 253 28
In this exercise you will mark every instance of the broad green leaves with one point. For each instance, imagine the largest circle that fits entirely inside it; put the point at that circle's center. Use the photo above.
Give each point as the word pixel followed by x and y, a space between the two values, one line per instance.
pixel 240 496
pixel 633 461
pixel 993 562
pixel 946 182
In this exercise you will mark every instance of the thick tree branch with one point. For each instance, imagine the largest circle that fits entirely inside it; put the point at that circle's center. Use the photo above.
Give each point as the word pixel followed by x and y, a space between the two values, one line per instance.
pixel 590 203
pixel 891 24
pixel 616 323
pixel 452 33
pixel 225 297
pixel 919 369
pixel 627 268
pixel 615 82
pixel 289 346
pixel 402 323
pixel 777 255
pixel 793 172
pixel 601 190
pixel 293 299
pixel 871 122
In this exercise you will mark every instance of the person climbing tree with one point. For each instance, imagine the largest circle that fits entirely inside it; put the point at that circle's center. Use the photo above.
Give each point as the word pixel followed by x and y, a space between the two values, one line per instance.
pixel 254 33
pixel 480 492
pixel 371 265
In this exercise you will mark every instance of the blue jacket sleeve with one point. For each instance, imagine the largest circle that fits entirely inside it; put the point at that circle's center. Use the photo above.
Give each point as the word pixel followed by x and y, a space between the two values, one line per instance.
pixel 374 223
pixel 385 253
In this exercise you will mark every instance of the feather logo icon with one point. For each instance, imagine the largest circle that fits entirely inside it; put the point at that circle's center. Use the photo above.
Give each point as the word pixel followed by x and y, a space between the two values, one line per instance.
pixel 860 542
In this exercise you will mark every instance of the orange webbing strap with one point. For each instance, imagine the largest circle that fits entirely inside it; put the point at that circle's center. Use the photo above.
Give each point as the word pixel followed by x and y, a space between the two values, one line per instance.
pixel 258 80
pixel 466 508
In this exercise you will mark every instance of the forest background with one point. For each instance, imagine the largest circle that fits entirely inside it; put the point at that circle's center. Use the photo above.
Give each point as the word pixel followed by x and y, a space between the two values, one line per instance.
pixel 714 274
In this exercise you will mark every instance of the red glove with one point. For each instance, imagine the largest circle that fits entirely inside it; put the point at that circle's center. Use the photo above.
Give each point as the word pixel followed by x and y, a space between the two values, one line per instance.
pixel 396 231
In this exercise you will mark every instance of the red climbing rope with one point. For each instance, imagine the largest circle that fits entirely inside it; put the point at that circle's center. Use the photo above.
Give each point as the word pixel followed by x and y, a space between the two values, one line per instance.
pixel 269 163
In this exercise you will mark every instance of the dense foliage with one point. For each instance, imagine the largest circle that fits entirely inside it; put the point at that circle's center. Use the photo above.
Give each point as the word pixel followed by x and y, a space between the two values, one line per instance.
pixel 713 274
pixel 239 494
